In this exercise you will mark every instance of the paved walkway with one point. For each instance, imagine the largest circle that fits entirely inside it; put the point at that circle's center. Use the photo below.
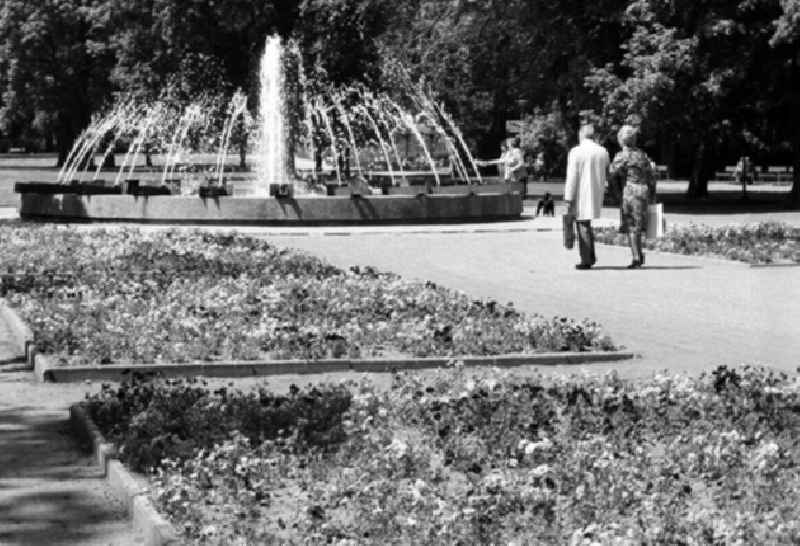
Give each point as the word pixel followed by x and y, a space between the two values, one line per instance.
pixel 682 313
pixel 50 490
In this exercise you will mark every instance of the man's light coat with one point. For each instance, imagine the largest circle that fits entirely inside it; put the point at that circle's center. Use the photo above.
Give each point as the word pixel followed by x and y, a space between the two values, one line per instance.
pixel 587 165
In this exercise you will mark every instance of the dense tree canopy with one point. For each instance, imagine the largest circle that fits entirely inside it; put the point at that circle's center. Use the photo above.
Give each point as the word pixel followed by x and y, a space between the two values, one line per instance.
pixel 54 68
pixel 708 80
pixel 700 76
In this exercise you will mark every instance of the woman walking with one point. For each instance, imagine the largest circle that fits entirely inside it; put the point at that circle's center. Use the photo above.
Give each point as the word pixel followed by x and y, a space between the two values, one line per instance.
pixel 633 171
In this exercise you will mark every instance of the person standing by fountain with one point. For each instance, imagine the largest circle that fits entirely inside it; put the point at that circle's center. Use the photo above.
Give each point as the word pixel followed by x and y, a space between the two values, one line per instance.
pixel 587 165
pixel 511 161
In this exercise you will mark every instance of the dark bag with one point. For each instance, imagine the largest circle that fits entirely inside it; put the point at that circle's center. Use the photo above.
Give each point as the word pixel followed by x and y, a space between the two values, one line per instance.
pixel 569 230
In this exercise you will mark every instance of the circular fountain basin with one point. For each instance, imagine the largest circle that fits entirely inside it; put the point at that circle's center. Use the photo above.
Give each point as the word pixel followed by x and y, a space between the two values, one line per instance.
pixel 461 204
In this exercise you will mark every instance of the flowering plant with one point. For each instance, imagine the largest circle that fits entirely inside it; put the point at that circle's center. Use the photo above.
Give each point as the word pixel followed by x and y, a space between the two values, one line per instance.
pixel 458 457
pixel 763 243
pixel 125 296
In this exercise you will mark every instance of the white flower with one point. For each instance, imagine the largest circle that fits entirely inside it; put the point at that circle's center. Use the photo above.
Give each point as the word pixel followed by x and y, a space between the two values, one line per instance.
pixel 540 470
pixel 398 447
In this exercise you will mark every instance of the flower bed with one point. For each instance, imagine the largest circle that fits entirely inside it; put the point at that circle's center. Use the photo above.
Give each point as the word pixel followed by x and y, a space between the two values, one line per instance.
pixel 763 243
pixel 460 459
pixel 126 296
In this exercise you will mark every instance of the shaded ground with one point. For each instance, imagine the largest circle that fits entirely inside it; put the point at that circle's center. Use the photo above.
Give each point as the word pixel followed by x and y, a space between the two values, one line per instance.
pixel 50 490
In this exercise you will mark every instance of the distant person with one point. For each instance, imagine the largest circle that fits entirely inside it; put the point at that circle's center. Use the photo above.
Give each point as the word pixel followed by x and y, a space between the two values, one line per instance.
pixel 538 166
pixel 633 170
pixel 511 161
pixel 587 164
pixel 744 173
pixel 546 205
pixel 515 162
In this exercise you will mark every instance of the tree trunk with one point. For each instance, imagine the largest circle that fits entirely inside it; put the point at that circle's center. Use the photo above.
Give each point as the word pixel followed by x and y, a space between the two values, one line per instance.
pixel 489 145
pixel 63 146
pixel 794 196
pixel 243 151
pixel 698 182
pixel 62 155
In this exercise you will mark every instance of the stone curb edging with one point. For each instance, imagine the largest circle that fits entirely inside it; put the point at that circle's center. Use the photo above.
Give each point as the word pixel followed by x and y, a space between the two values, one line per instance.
pixel 46 369
pixel 443 231
pixel 23 335
pixel 126 485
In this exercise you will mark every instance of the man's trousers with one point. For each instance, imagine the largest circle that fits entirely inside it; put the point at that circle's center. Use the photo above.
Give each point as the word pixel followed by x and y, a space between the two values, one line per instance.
pixel 586 241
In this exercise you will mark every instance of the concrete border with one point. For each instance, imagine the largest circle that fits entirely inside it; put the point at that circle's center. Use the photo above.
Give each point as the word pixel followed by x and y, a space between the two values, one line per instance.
pixel 47 369
pixel 128 486
pixel 295 211
pixel 23 335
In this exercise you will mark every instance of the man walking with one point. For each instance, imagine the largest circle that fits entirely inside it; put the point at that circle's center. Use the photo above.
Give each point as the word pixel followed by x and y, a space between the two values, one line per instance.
pixel 587 165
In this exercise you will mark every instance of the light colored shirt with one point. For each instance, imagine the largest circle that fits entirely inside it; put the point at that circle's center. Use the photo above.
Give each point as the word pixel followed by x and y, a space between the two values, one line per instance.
pixel 513 162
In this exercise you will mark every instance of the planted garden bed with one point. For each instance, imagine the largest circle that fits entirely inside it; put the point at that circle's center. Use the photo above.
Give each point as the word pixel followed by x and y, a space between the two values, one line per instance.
pixel 757 244
pixel 100 297
pixel 460 459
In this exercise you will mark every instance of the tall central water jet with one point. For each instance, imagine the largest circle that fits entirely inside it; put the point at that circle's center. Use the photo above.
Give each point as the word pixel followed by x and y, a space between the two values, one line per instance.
pixel 271 152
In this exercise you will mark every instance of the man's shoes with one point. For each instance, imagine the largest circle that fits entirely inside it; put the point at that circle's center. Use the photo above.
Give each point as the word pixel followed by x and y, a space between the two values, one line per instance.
pixel 635 264
pixel 583 266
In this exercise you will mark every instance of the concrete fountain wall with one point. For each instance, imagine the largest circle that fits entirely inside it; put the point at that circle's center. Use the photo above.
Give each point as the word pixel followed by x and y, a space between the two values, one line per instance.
pixel 300 210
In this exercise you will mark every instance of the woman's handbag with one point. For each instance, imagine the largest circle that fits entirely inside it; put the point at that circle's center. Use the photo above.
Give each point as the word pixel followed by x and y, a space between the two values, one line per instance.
pixel 569 230
pixel 656 223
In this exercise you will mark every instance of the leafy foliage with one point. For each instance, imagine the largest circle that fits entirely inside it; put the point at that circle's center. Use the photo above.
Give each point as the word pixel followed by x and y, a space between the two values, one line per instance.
pixel 702 79
pixel 54 69
pixel 121 295
pixel 456 458
pixel 154 420
pixel 763 243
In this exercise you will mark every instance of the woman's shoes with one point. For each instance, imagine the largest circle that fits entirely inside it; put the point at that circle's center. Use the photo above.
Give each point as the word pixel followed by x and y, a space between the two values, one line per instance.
pixel 636 264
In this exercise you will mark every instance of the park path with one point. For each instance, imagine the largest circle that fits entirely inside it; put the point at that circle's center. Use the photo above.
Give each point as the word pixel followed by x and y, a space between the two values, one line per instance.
pixel 681 313
pixel 51 492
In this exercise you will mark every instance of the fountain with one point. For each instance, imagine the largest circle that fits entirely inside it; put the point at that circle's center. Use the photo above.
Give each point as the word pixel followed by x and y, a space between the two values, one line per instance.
pixel 351 156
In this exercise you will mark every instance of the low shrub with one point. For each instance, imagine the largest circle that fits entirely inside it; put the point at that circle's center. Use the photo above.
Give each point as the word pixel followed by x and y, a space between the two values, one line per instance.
pixel 100 297
pixel 456 458
pixel 154 420
pixel 763 243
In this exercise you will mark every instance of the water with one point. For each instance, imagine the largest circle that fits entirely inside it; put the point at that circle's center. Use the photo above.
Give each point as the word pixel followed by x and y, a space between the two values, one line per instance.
pixel 237 109
pixel 334 119
pixel 271 151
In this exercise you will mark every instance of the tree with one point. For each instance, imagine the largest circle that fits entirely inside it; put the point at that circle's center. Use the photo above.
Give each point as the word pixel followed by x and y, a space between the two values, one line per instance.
pixel 54 67
pixel 697 74
pixel 786 83
pixel 485 59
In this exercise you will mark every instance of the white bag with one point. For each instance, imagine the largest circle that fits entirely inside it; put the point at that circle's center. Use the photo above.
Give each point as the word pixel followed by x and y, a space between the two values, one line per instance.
pixel 656 223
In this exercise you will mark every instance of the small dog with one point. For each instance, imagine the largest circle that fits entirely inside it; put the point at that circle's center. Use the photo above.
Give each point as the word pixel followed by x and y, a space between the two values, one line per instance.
pixel 547 205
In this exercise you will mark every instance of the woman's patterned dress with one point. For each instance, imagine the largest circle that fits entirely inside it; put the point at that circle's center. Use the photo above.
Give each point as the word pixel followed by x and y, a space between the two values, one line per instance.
pixel 632 168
